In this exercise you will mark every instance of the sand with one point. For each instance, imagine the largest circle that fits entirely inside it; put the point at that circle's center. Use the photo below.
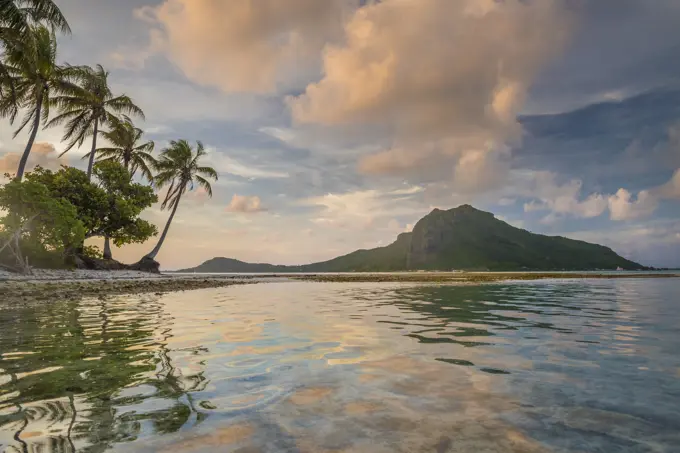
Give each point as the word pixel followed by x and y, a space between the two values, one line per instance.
pixel 45 285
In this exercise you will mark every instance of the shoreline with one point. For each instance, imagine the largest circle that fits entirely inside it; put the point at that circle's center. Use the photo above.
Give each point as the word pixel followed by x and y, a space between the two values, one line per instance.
pixel 475 277
pixel 72 285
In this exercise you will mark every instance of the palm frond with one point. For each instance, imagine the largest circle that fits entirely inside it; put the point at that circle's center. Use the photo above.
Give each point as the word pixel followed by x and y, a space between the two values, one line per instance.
pixel 178 166
pixel 67 115
pixel 27 119
pixel 47 12
pixel 123 104
pixel 208 171
pixel 205 184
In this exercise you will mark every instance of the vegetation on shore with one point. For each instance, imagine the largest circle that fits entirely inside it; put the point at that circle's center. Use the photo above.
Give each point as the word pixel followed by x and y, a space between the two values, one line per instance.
pixel 46 216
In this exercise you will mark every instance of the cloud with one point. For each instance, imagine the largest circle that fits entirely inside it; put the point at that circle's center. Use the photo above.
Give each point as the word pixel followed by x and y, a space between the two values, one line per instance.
pixel 243 45
pixel 225 164
pixel 444 81
pixel 623 207
pixel 671 190
pixel 367 209
pixel 561 199
pixel 245 204
pixel 654 242
pixel 469 170
pixel 42 154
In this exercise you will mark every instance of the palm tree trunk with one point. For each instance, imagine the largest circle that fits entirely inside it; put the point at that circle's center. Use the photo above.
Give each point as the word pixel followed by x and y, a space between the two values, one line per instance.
pixel 157 249
pixel 107 248
pixel 90 164
pixel 31 139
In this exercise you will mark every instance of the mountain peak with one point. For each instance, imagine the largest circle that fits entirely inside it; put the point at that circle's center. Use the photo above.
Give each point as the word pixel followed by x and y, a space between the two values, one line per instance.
pixel 461 208
pixel 460 238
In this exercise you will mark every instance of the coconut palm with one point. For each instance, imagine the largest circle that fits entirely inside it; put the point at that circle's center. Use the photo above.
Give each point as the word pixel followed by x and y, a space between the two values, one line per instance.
pixel 179 167
pixel 126 148
pixel 16 19
pixel 17 16
pixel 35 78
pixel 88 106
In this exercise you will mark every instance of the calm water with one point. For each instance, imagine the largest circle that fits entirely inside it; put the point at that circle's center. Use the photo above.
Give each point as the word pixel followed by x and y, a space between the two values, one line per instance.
pixel 587 366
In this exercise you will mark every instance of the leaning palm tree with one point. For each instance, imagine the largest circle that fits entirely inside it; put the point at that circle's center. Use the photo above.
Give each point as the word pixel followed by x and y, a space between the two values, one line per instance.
pixel 36 77
pixel 126 148
pixel 88 106
pixel 179 167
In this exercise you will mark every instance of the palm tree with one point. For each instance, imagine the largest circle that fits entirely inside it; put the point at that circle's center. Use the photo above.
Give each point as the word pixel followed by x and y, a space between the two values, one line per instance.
pixel 17 16
pixel 125 148
pixel 88 106
pixel 179 167
pixel 35 76
pixel 16 19
pixel 124 138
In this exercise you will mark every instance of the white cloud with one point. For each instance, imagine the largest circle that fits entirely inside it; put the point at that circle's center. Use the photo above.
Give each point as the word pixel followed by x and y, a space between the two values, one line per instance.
pixel 365 208
pixel 445 102
pixel 559 199
pixel 240 45
pixel 623 207
pixel 225 164
pixel 245 204
pixel 408 190
pixel 670 190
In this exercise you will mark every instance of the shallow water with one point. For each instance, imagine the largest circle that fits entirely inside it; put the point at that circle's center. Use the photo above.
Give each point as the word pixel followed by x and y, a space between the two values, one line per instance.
pixel 573 366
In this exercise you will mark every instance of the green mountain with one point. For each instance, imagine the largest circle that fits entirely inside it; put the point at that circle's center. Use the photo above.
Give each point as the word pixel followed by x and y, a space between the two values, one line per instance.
pixel 463 238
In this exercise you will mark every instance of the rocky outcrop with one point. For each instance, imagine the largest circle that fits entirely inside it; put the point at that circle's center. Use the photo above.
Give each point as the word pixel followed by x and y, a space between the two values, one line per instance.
pixel 146 264
pixel 434 233
pixel 96 264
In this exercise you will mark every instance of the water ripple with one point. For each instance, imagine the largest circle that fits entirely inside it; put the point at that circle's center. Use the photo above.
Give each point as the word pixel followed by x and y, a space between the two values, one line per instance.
pixel 583 366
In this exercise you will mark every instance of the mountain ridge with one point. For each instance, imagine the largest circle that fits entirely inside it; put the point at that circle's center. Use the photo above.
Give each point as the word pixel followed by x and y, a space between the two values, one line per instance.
pixel 462 238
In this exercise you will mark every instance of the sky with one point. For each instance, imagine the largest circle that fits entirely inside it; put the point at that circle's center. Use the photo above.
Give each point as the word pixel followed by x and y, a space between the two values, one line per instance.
pixel 336 125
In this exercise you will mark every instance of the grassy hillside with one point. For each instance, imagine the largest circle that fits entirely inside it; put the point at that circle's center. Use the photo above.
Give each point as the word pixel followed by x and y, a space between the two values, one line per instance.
pixel 463 238
pixel 466 238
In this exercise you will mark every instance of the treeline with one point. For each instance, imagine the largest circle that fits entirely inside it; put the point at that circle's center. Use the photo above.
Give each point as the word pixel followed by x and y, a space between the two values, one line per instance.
pixel 48 215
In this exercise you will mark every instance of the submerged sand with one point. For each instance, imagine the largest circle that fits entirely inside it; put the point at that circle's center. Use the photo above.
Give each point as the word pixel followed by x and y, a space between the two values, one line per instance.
pixel 476 277
pixel 63 284
pixel 72 285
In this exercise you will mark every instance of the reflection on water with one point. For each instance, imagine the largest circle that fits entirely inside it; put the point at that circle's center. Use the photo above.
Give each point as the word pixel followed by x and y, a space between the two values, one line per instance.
pixel 588 366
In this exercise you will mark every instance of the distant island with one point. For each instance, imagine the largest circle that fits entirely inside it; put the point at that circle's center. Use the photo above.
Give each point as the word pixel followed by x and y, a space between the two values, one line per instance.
pixel 463 238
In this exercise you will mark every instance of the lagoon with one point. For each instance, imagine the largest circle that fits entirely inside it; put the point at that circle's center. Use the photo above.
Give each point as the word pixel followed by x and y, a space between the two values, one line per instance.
pixel 588 365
